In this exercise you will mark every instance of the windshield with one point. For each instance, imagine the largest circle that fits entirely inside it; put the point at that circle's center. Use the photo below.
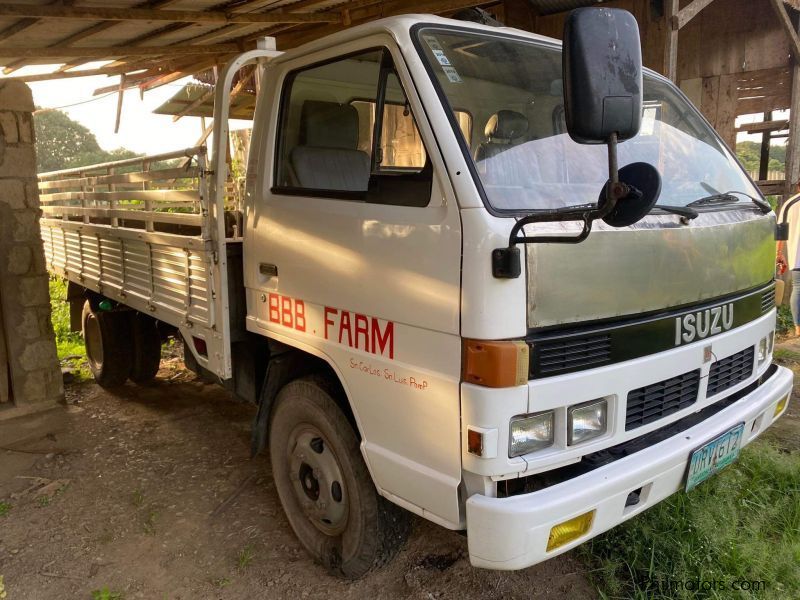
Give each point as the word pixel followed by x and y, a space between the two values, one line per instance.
pixel 524 158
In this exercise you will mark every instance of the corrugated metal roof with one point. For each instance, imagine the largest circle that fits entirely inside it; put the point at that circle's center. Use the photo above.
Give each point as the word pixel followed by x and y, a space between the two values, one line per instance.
pixel 197 100
pixel 150 41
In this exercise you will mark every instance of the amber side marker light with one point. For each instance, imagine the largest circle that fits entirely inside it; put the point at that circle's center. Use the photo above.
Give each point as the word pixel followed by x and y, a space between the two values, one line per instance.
pixel 781 405
pixel 496 364
pixel 475 442
pixel 571 530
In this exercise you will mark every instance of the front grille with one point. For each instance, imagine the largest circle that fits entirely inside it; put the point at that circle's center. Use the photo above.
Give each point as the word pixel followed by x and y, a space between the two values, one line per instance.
pixel 655 401
pixel 729 371
pixel 768 300
pixel 556 356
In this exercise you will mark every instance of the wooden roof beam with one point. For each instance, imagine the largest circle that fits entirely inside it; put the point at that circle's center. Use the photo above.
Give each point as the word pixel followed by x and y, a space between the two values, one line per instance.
pixel 788 28
pixel 148 14
pixel 114 51
pixel 17 27
pixel 762 126
pixel 688 12
pixel 73 74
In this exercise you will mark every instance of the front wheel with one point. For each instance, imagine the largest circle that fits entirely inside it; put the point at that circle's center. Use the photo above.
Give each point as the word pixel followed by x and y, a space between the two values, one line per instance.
pixel 324 486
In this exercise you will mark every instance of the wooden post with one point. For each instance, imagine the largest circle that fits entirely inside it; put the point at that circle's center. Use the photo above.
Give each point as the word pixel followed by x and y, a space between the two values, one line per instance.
pixel 671 8
pixel 763 163
pixel 793 142
pixel 121 93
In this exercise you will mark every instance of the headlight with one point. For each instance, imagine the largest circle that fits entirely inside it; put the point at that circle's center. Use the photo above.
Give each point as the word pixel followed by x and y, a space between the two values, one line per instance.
pixel 762 350
pixel 530 432
pixel 586 421
pixel 770 343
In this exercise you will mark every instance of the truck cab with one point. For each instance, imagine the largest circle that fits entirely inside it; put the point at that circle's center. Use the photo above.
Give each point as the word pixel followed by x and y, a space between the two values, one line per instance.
pixel 449 296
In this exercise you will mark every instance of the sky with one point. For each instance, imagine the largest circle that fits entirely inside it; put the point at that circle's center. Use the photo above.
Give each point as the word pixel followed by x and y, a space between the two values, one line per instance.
pixel 140 130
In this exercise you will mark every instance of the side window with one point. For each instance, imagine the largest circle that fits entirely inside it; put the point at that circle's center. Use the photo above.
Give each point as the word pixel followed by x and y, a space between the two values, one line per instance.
pixel 347 131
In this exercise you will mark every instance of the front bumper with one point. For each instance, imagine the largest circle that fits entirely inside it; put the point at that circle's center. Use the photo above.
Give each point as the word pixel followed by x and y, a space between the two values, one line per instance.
pixel 512 533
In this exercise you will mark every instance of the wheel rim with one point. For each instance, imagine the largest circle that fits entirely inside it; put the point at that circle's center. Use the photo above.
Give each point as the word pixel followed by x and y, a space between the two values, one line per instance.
pixel 93 341
pixel 317 480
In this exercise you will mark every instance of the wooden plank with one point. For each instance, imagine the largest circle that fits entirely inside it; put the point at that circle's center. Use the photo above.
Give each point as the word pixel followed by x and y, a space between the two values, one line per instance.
pixel 709 99
pixel 98 13
pixel 671 8
pixel 788 27
pixel 760 104
pixel 771 187
pixel 727 110
pixel 764 126
pixel 688 12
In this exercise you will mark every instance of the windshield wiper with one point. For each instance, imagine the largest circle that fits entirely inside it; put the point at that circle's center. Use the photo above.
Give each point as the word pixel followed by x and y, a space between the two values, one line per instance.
pixel 683 211
pixel 723 198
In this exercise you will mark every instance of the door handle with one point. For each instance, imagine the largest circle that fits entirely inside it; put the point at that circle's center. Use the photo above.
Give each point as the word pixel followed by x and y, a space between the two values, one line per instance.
pixel 268 269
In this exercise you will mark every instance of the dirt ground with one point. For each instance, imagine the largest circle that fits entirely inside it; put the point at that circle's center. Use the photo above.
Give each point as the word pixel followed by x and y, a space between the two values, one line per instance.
pixel 151 493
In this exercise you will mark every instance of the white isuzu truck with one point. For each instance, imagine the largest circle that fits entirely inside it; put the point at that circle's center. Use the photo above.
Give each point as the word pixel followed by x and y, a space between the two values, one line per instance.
pixel 522 291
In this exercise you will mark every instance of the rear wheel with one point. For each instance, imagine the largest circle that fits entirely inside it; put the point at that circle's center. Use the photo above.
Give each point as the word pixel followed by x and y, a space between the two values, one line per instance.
pixel 106 336
pixel 324 486
pixel 146 349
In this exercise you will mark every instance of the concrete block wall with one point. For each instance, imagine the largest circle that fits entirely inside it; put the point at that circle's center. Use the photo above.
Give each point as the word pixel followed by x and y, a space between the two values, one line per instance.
pixel 33 367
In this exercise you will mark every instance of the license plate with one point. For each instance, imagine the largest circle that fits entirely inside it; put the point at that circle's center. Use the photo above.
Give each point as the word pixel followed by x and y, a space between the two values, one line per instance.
pixel 714 456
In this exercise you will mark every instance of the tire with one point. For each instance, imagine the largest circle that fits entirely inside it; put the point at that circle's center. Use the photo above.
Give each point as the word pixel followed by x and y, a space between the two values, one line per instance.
pixel 324 486
pixel 146 357
pixel 106 336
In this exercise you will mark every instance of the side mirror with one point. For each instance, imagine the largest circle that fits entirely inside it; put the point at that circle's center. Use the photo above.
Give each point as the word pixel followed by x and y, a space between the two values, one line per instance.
pixel 602 69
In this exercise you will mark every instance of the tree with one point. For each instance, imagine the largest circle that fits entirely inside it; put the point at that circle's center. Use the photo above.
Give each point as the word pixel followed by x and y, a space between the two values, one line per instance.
pixel 62 143
pixel 749 153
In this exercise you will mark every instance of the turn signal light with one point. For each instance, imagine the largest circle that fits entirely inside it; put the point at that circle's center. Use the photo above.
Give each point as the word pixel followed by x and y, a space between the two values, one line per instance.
pixel 496 364
pixel 781 405
pixel 571 530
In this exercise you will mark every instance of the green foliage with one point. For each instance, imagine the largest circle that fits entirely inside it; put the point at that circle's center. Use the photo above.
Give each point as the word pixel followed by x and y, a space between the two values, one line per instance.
pixel 750 155
pixel 69 344
pixel 62 143
pixel 4 508
pixel 106 594
pixel 743 524
pixel 785 323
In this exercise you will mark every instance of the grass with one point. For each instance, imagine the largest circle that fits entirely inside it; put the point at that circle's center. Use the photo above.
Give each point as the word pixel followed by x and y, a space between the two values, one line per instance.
pixel 5 507
pixel 149 525
pixel 245 557
pixel 106 594
pixel 68 343
pixel 138 498
pixel 742 525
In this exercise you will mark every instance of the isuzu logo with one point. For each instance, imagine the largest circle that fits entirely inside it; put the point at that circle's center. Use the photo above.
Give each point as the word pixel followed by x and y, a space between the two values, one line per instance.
pixel 703 324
